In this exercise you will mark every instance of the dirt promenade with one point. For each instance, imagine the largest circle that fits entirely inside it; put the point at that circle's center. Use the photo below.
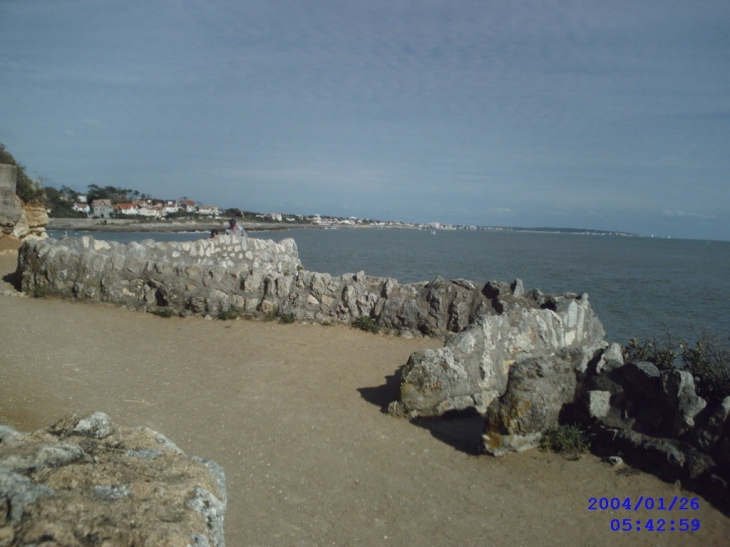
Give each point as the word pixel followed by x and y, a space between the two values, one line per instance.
pixel 293 414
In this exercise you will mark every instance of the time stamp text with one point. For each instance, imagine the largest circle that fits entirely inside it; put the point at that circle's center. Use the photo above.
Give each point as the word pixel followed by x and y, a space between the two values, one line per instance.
pixel 660 524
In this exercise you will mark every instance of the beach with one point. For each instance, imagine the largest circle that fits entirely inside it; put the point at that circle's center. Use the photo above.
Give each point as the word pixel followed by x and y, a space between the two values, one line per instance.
pixel 294 414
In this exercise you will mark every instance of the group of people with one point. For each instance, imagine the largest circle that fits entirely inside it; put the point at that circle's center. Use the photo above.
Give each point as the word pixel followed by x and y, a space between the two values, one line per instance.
pixel 234 229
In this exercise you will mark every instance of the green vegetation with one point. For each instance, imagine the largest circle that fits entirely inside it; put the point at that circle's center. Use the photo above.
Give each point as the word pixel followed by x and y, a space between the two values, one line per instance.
pixel 567 440
pixel 661 352
pixel 27 189
pixel 61 202
pixel 40 291
pixel 116 195
pixel 286 318
pixel 164 312
pixel 367 324
pixel 707 358
pixel 228 315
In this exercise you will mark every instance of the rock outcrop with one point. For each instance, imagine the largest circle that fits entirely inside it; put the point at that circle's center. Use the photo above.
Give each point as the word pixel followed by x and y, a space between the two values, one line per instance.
pixel 86 481
pixel 18 219
pixel 9 211
pixel 655 420
pixel 538 345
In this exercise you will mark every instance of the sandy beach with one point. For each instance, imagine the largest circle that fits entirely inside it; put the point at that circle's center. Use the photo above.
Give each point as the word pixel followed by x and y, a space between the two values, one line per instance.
pixel 294 413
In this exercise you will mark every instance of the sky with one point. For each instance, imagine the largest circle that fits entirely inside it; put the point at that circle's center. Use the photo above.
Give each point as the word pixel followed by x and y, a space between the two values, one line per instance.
pixel 578 114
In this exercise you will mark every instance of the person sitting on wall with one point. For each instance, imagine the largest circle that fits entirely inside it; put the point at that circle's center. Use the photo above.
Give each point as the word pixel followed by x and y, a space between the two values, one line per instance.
pixel 235 230
pixel 213 233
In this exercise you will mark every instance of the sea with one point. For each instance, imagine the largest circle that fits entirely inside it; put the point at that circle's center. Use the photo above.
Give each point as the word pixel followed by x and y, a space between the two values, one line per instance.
pixel 639 287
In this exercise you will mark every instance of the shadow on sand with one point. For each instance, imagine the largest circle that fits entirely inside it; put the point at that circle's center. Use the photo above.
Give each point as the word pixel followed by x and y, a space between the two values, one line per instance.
pixel 461 430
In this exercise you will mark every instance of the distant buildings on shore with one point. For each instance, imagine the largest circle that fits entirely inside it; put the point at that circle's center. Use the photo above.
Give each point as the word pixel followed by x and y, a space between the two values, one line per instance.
pixel 160 209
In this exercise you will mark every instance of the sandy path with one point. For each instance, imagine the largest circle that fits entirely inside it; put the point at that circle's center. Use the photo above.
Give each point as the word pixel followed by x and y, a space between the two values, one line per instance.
pixel 293 413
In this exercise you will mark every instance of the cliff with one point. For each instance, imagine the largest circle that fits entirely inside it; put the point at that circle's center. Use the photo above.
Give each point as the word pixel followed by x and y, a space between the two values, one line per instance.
pixel 18 219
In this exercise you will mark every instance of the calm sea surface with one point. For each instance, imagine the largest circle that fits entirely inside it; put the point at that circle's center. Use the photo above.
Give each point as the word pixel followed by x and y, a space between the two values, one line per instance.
pixel 636 285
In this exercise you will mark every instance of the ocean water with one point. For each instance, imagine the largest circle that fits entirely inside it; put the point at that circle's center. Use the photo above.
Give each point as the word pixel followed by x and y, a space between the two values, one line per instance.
pixel 638 287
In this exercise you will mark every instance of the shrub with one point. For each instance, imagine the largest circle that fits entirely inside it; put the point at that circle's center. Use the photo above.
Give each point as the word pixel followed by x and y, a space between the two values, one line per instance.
pixel 227 315
pixel 708 360
pixel 286 318
pixel 367 324
pixel 662 353
pixel 164 312
pixel 567 440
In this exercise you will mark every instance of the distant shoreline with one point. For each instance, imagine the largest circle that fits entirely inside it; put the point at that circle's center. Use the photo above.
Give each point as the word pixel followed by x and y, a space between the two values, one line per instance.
pixel 127 225
pixel 172 226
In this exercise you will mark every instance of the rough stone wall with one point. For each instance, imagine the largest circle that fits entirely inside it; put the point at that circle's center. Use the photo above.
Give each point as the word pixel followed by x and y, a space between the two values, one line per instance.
pixel 188 277
pixel 85 481
pixel 251 276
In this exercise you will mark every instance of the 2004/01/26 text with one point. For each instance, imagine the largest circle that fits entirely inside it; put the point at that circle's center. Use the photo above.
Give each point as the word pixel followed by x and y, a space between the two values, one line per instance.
pixel 650 504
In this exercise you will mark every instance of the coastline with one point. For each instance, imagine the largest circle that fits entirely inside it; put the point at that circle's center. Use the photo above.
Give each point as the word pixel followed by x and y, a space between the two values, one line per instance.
pixel 171 226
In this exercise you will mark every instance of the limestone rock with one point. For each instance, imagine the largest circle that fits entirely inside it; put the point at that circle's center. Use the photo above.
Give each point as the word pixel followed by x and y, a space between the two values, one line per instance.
pixel 612 358
pixel 598 403
pixel 86 481
pixel 477 361
pixel 18 219
pixel 32 222
pixel 678 388
pixel 10 211
pixel 537 391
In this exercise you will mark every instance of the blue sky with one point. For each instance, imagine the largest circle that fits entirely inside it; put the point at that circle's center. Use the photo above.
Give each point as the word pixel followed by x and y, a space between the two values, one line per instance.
pixel 606 115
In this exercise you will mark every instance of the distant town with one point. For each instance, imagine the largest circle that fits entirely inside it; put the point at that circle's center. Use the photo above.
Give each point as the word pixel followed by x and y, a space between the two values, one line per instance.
pixel 111 202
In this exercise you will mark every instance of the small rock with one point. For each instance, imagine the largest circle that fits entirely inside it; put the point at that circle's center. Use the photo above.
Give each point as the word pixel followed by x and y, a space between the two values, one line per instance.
pixel 615 461
pixel 97 425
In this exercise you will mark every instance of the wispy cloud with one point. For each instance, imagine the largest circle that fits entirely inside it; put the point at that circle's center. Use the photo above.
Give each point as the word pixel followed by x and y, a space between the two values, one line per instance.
pixel 684 214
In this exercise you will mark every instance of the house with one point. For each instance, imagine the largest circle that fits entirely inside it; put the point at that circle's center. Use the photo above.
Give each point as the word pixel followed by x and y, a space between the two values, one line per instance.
pixel 147 210
pixel 102 208
pixel 82 208
pixel 208 210
pixel 125 209
pixel 186 205
pixel 171 208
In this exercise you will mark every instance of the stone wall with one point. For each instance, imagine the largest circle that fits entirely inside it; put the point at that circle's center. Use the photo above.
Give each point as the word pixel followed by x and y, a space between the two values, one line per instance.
pixel 86 481
pixel 253 277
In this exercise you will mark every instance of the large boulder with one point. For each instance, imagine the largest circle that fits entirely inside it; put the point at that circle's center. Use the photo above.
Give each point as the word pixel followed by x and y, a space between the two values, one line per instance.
pixel 537 391
pixel 86 481
pixel 473 367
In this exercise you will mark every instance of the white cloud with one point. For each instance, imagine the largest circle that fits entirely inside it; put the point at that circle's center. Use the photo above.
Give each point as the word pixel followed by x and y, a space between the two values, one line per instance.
pixel 684 214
